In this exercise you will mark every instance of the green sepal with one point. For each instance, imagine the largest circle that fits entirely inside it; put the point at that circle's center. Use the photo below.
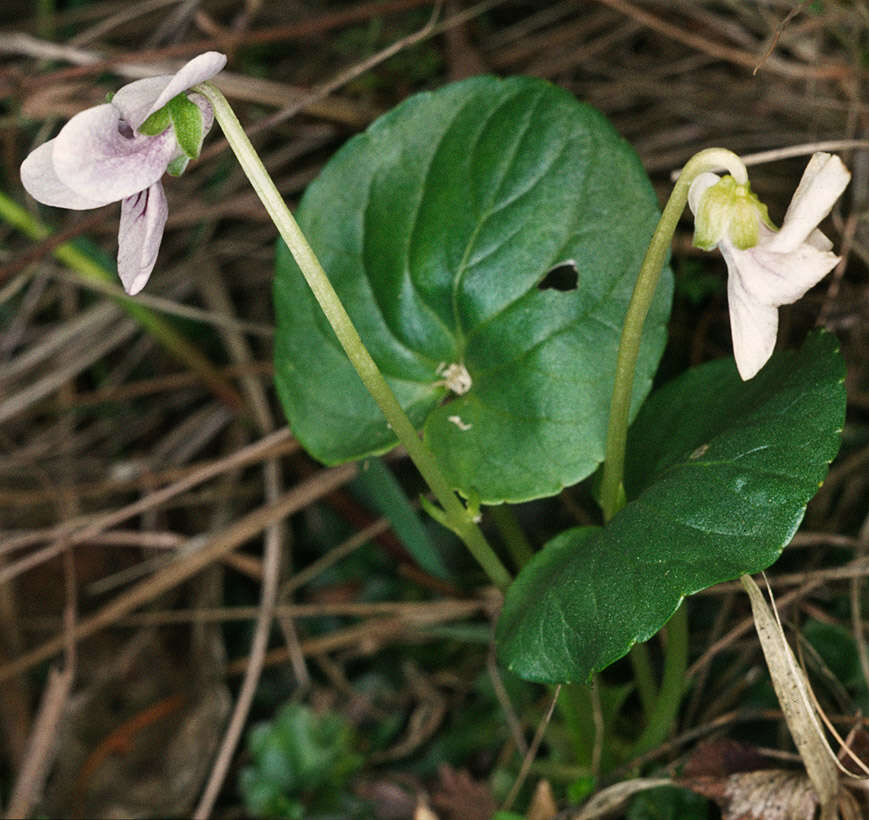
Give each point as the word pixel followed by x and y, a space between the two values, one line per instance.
pixel 177 166
pixel 729 210
pixel 187 122
pixel 156 124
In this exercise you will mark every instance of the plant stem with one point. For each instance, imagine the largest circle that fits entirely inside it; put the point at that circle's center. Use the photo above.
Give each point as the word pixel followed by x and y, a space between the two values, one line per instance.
pixel 576 708
pixel 512 534
pixel 457 516
pixel 672 685
pixel 644 679
pixel 612 490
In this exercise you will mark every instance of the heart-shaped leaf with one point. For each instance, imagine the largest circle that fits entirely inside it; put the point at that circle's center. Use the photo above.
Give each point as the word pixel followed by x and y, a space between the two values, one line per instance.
pixel 436 227
pixel 720 474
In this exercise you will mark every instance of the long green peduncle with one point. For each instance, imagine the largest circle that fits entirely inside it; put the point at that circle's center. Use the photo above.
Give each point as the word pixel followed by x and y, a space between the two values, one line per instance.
pixel 712 159
pixel 455 516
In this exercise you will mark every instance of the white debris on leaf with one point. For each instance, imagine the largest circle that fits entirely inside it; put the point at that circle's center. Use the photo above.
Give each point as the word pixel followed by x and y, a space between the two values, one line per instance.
pixel 457 420
pixel 455 377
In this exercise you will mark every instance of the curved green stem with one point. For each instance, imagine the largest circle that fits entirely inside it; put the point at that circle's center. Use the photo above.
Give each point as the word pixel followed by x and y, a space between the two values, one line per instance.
pixel 712 159
pixel 457 517
pixel 672 685
pixel 644 678
pixel 512 534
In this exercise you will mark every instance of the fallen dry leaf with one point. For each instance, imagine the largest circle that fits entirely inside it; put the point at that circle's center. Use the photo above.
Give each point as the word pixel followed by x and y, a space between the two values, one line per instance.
pixel 721 757
pixel 767 794
pixel 543 805
pixel 460 797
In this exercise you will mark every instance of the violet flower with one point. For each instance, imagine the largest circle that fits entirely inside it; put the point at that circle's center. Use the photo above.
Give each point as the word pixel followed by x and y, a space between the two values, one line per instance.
pixel 766 267
pixel 120 150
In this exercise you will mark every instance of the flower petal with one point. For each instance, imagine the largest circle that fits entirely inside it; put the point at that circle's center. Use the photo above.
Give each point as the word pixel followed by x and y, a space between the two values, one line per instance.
pixel 135 100
pixel 139 99
pixel 775 279
pixel 93 158
pixel 753 326
pixel 198 70
pixel 40 180
pixel 143 217
pixel 701 184
pixel 823 182
pixel 818 240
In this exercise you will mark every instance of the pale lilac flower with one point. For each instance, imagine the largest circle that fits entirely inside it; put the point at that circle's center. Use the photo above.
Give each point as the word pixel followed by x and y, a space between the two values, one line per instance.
pixel 766 267
pixel 120 151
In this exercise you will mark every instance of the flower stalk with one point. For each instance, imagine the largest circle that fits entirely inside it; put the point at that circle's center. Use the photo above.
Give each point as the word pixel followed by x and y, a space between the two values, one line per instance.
pixel 456 517
pixel 612 489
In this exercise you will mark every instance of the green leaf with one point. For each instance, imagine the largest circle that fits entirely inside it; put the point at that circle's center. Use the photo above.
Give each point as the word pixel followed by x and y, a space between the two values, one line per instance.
pixel 380 490
pixel 300 754
pixel 187 122
pixel 436 226
pixel 720 472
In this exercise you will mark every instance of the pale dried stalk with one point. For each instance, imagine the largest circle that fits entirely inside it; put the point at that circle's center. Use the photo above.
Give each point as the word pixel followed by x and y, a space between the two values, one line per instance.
pixel 614 797
pixel 218 300
pixel 37 756
pixel 409 611
pixel 99 346
pixel 368 637
pixel 792 691
pixel 242 530
pixel 242 457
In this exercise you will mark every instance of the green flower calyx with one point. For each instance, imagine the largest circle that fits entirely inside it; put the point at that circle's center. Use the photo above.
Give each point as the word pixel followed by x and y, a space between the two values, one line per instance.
pixel 728 210
pixel 186 120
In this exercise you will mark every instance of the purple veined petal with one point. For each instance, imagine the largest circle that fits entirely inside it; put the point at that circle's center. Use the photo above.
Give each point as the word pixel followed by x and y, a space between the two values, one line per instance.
pixel 40 180
pixel 143 217
pixel 822 183
pixel 93 158
pixel 135 100
pixel 753 326
pixel 198 70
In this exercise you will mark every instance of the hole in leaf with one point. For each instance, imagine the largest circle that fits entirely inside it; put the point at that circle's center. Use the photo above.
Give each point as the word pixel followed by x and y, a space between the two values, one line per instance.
pixel 564 277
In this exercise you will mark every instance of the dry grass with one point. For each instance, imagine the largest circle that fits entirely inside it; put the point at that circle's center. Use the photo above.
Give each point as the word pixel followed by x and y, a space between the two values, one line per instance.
pixel 131 482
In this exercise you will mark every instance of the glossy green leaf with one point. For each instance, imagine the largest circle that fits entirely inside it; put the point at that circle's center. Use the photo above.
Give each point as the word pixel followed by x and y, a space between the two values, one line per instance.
pixel 382 492
pixel 720 472
pixel 437 226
